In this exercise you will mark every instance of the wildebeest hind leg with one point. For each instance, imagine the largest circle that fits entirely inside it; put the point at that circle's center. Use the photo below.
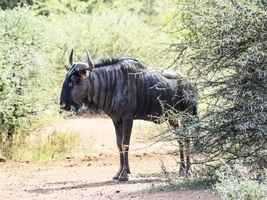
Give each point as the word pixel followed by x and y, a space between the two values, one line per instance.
pixel 182 171
pixel 188 159
pixel 176 123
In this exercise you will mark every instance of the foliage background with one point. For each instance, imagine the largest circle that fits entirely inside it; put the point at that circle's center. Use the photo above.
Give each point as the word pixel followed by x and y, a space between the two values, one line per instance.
pixel 36 37
pixel 221 45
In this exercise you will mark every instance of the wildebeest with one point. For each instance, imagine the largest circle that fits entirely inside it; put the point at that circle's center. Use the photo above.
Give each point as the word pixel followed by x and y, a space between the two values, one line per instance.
pixel 126 91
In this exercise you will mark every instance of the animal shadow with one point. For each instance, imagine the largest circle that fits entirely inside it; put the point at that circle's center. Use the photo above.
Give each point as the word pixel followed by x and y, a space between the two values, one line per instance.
pixel 73 185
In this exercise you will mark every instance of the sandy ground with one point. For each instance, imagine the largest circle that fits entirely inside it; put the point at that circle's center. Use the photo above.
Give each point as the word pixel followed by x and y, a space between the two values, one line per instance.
pixel 88 175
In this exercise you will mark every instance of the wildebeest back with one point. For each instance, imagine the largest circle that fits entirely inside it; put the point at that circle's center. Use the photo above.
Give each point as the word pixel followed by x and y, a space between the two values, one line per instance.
pixel 149 92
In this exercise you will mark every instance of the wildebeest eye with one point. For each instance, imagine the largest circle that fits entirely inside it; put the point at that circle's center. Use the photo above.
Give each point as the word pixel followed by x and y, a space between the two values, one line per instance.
pixel 71 81
pixel 74 80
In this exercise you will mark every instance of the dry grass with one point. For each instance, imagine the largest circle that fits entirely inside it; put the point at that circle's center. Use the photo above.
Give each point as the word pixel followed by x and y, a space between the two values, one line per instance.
pixel 77 137
pixel 54 146
pixel 144 131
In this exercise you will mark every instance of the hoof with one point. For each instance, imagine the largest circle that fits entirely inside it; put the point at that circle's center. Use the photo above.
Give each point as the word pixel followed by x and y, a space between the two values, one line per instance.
pixel 188 174
pixel 182 172
pixel 123 176
pixel 123 179
pixel 117 175
pixel 185 173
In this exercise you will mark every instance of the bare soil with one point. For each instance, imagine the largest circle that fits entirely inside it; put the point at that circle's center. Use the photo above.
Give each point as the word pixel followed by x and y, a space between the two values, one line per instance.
pixel 87 173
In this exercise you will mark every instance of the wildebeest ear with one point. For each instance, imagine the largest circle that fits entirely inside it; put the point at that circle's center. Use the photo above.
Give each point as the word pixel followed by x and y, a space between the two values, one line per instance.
pixel 89 61
pixel 71 57
pixel 67 67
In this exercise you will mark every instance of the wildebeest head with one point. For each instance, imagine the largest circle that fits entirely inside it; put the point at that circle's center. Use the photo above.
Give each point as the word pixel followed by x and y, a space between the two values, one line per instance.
pixel 75 86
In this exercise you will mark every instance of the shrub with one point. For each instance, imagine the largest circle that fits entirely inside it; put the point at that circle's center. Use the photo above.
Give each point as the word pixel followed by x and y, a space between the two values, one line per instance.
pixel 233 184
pixel 224 46
pixel 25 76
pixel 7 4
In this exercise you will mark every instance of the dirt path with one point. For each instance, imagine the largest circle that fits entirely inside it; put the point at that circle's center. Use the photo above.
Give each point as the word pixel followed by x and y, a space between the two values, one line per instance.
pixel 89 177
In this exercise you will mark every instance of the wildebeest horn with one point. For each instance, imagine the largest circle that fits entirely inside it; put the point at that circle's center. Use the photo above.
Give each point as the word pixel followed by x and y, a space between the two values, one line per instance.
pixel 71 57
pixel 89 60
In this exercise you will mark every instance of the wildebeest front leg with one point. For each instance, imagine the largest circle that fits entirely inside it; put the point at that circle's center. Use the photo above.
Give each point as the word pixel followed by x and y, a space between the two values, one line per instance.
pixel 127 124
pixel 118 129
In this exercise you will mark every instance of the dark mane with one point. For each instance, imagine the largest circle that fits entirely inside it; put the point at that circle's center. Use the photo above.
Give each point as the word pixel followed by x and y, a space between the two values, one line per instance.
pixel 112 61
pixel 106 61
